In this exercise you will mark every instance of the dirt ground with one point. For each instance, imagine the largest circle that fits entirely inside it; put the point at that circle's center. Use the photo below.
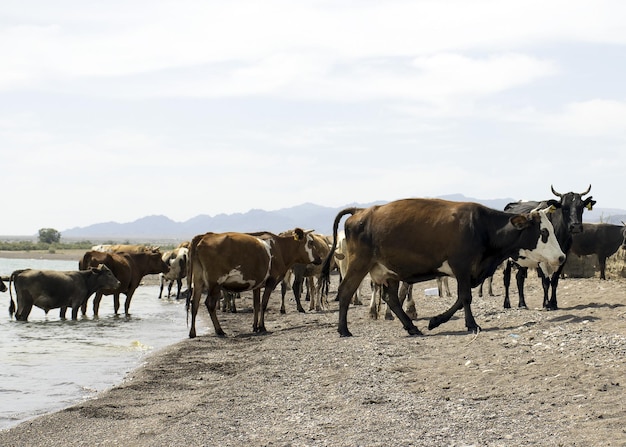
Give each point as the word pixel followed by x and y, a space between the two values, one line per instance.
pixel 531 377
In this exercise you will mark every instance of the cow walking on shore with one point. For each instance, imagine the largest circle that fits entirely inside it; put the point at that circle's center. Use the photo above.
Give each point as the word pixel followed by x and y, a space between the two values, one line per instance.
pixel 416 240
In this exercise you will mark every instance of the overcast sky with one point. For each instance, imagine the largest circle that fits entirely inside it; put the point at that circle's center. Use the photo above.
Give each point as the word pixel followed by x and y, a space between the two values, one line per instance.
pixel 112 111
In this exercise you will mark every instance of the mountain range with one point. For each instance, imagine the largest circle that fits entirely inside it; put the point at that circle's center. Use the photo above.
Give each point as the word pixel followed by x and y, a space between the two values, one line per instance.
pixel 307 216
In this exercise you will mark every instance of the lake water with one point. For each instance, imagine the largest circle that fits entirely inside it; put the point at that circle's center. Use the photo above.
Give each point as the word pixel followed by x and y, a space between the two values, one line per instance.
pixel 47 363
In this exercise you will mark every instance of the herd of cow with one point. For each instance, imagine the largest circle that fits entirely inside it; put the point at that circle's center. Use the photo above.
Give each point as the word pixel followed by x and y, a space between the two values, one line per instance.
pixel 397 244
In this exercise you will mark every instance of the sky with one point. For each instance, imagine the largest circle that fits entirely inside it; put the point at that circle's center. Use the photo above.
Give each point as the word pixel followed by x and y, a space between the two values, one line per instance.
pixel 117 110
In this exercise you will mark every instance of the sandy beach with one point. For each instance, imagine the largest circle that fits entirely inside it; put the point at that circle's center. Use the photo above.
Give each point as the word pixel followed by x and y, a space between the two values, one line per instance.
pixel 531 377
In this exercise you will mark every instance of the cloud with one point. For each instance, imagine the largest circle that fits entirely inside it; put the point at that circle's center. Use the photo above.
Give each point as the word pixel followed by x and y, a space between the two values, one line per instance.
pixel 593 118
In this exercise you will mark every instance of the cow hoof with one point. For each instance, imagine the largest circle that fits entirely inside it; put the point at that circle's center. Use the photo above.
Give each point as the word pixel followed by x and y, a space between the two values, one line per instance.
pixel 433 323
pixel 414 331
pixel 301 310
pixel 474 330
pixel 523 306
pixel 282 311
pixel 345 333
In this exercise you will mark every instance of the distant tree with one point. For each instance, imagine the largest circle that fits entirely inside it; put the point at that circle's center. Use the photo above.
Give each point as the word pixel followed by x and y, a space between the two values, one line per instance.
pixel 49 236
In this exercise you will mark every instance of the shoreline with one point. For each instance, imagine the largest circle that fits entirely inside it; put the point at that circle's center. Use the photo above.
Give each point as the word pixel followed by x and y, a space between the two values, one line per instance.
pixel 61 255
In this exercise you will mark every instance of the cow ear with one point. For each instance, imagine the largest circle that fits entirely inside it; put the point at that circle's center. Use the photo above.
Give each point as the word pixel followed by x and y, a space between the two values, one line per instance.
pixel 589 203
pixel 298 234
pixel 521 221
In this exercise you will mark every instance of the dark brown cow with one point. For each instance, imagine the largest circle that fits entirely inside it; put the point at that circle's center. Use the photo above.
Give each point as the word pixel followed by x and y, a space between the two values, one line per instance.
pixel 51 289
pixel 416 240
pixel 129 268
pixel 601 239
pixel 238 262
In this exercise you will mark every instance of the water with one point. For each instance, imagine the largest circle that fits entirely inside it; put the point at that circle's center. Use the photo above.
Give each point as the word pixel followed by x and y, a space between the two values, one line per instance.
pixel 47 363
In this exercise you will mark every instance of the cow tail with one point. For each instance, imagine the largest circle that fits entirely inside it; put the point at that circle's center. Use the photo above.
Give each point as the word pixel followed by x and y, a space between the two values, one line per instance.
pixel 191 258
pixel 325 275
pixel 12 309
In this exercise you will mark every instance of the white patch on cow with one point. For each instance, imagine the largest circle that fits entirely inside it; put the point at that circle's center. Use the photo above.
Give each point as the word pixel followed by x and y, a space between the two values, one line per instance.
pixel 267 245
pixel 235 278
pixel 445 268
pixel 379 274
pixel 309 247
pixel 547 253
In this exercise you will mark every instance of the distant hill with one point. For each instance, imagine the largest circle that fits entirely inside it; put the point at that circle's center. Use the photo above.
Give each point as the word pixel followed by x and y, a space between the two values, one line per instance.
pixel 307 215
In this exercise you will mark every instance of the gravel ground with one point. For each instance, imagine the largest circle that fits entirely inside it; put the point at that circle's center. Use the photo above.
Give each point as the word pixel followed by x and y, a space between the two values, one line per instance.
pixel 531 377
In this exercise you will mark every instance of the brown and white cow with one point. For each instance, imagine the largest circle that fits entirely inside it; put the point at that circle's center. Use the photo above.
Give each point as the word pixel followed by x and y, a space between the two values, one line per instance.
pixel 309 273
pixel 177 260
pixel 127 248
pixel 129 268
pixel 416 240
pixel 238 262
pixel 51 289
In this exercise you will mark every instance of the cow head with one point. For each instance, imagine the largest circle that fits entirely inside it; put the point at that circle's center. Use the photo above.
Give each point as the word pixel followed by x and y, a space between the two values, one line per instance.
pixel 106 279
pixel 572 206
pixel 3 287
pixel 547 250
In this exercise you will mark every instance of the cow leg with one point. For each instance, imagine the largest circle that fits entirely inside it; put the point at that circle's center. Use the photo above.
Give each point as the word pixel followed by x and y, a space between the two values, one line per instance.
pixel 62 312
pixel 169 289
pixel 522 272
pixel 464 300
pixel 24 306
pixel 405 295
pixel 179 284
pixel 74 312
pixel 313 299
pixel 211 304
pixel 195 303
pixel 283 292
pixel 269 287
pixel 129 296
pixel 162 284
pixel 377 291
pixel 256 304
pixel 298 283
pixel 96 303
pixel 507 283
pixel 345 292
pixel 602 262
pixel 390 295
pixel 116 302
pixel 554 282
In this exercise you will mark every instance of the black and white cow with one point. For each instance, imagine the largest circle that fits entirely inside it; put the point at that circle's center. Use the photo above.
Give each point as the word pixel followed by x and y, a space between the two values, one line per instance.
pixel 567 220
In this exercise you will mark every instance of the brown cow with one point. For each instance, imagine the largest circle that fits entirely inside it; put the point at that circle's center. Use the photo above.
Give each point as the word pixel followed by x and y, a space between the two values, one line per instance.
pixel 51 289
pixel 308 272
pixel 416 240
pixel 238 262
pixel 129 268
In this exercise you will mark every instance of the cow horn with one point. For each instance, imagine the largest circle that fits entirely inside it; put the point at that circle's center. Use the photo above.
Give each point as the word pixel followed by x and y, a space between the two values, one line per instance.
pixel 586 192
pixel 555 193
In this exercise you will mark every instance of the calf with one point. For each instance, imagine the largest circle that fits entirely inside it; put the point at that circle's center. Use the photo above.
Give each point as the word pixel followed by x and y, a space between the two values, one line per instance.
pixel 51 289
pixel 177 262
pixel 238 262
pixel 416 240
